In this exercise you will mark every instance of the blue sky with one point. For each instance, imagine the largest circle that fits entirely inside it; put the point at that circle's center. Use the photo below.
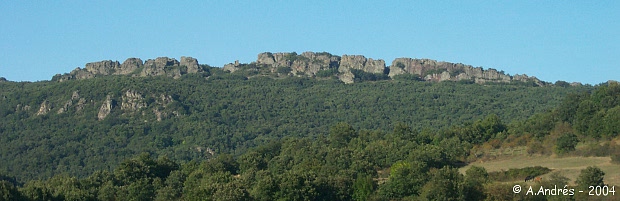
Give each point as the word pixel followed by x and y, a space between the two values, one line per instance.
pixel 575 41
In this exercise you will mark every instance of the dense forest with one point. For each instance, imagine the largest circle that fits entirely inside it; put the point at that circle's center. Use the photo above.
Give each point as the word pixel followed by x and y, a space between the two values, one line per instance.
pixel 222 136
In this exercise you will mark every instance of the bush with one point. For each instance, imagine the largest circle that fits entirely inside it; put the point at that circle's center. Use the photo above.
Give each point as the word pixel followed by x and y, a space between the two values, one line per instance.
pixel 408 76
pixel 518 173
pixel 615 154
pixel 361 75
pixel 566 143
pixel 327 72
pixel 591 176
pixel 283 70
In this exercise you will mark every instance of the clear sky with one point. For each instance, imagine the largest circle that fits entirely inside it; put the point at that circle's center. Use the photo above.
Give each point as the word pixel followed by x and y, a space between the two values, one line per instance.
pixel 574 41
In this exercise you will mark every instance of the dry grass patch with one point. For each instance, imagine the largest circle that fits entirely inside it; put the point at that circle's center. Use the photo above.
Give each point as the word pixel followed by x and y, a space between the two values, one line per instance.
pixel 569 166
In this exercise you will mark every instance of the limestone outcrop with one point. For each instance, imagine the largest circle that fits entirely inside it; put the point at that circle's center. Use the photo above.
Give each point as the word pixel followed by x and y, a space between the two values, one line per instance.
pixel 132 101
pixel 310 64
pixel 438 71
pixel 45 107
pixel 65 107
pixel 130 66
pixel 134 66
pixel 360 62
pixel 105 108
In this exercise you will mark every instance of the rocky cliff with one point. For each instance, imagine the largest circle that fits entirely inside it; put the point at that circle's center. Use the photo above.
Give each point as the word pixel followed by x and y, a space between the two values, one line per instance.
pixel 310 64
pixel 134 67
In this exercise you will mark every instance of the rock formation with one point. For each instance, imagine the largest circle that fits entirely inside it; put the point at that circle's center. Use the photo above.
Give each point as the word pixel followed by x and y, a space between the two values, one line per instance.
pixel 130 66
pixel 191 64
pixel 134 66
pixel 69 103
pixel 105 108
pixel 305 64
pixel 132 101
pixel 360 62
pixel 45 107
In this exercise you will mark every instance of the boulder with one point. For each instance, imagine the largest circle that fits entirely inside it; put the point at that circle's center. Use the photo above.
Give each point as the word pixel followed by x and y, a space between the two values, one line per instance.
pixel 191 64
pixel 129 66
pixel 158 66
pixel 45 107
pixel 132 101
pixel 105 108
pixel 106 67
pixel 359 62
pixel 266 58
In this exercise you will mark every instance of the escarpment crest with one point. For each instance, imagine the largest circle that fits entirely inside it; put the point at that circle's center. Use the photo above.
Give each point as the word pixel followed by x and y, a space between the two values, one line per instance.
pixel 347 68
pixel 134 67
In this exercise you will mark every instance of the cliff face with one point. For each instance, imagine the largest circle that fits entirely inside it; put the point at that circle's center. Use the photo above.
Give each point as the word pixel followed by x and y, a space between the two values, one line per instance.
pixel 310 63
pixel 134 67
pixel 306 64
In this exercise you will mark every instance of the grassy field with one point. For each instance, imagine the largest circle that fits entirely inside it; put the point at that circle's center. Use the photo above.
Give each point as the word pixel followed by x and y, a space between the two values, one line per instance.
pixel 568 166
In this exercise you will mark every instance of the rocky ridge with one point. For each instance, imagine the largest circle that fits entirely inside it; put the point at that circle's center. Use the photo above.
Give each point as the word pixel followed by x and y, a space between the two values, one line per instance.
pixel 311 64
pixel 134 67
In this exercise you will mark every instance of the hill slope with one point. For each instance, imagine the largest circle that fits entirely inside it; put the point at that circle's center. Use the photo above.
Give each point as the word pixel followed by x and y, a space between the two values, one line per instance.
pixel 79 126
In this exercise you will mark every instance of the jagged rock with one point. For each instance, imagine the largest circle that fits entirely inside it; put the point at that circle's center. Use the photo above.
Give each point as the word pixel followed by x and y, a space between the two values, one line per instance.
pixel 75 95
pixel 65 107
pixel 420 66
pixel 574 84
pixel 231 67
pixel 80 105
pixel 266 58
pixel 105 108
pixel 438 77
pixel 165 100
pixel 69 103
pixel 19 107
pixel 191 64
pixel 129 66
pixel 158 67
pixel 346 77
pixel 161 62
pixel 308 63
pixel 159 114
pixel 360 62
pixel 45 107
pixel 107 67
pixel 132 101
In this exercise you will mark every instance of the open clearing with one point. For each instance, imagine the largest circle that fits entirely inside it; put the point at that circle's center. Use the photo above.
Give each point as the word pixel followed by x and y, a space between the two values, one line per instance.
pixel 568 166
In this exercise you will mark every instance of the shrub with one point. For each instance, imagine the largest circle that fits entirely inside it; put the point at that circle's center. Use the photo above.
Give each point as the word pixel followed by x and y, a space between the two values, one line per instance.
pixel 518 173
pixel 283 70
pixel 566 143
pixel 591 176
pixel 326 72
pixel 615 154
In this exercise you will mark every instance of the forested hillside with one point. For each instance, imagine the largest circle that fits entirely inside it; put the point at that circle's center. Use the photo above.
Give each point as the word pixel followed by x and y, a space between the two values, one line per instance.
pixel 343 162
pixel 205 114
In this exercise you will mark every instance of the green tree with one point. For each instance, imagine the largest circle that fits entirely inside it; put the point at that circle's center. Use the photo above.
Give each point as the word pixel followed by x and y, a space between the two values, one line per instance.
pixel 340 134
pixel 474 181
pixel 445 184
pixel 591 176
pixel 8 192
pixel 406 179
pixel 566 143
pixel 363 187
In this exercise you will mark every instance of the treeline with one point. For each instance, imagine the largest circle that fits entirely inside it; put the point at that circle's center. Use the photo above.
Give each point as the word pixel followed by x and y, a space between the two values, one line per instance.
pixel 347 164
pixel 588 118
pixel 215 113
